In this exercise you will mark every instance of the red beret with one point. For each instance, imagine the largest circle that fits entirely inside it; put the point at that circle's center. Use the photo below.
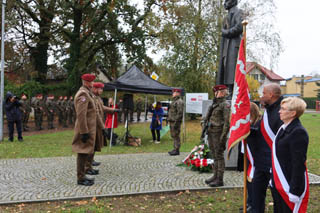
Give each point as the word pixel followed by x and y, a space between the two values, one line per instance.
pixel 98 85
pixel 88 77
pixel 51 96
pixel 65 97
pixel 176 90
pixel 219 87
pixel 39 95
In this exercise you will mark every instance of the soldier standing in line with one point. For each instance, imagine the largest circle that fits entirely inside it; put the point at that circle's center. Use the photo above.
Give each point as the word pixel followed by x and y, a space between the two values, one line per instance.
pixel 51 107
pixel 217 119
pixel 120 104
pixel 175 116
pixel 139 107
pixel 38 111
pixel 60 110
pixel 26 110
pixel 71 111
pixel 85 128
pixel 65 112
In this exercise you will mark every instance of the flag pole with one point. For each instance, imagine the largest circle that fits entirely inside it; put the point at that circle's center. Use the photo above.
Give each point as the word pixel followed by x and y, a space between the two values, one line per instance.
pixel 244 24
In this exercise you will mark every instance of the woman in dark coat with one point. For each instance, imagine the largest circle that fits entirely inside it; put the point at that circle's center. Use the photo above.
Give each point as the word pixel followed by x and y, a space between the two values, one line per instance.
pixel 156 122
pixel 290 185
pixel 13 113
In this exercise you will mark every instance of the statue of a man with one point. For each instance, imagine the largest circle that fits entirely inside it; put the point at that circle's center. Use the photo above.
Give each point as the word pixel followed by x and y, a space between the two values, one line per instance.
pixel 230 42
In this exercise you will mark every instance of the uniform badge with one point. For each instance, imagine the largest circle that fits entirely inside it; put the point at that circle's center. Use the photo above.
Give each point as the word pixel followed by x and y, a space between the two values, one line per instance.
pixel 83 99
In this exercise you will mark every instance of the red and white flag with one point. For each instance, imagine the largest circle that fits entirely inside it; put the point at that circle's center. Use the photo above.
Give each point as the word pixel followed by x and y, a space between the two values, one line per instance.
pixel 240 104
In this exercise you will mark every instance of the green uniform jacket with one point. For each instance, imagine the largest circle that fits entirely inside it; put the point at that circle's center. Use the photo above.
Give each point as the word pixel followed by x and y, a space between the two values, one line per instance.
pixel 218 115
pixel 175 113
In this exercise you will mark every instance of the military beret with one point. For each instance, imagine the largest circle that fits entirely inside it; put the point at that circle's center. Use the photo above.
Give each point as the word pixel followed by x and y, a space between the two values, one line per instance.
pixel 88 77
pixel 65 97
pixel 219 87
pixel 98 85
pixel 39 95
pixel 51 96
pixel 176 90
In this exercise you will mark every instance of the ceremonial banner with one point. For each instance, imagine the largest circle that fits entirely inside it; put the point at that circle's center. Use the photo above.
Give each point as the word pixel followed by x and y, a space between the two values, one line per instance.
pixel 240 104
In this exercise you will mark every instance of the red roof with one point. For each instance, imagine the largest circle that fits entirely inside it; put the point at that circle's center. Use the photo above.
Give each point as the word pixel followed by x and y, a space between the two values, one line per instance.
pixel 268 73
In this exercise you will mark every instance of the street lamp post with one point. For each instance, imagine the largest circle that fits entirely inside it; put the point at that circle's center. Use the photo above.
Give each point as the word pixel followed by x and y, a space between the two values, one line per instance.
pixel 2 69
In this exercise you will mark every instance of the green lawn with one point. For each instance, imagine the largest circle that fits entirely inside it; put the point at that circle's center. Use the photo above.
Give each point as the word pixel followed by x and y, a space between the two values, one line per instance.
pixel 215 200
pixel 59 144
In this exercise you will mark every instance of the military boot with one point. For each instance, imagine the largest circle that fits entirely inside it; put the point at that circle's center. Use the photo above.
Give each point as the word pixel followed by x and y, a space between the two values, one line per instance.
pixel 219 180
pixel 214 176
pixel 174 152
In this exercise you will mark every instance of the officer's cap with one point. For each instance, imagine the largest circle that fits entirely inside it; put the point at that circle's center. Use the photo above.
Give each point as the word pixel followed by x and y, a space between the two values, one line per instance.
pixel 219 87
pixel 88 77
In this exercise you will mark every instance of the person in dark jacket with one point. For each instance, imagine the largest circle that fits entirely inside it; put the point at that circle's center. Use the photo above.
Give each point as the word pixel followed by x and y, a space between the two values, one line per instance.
pixel 13 113
pixel 156 122
pixel 290 187
pixel 261 151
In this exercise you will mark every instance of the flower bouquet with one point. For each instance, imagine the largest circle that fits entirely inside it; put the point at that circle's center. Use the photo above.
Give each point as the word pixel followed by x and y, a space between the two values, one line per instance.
pixel 199 159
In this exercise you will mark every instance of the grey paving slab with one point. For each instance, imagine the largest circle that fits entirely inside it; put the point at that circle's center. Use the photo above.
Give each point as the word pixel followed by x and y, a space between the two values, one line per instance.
pixel 48 179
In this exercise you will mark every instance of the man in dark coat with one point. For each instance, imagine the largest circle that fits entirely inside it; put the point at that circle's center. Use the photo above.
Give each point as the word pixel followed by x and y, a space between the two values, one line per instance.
pixel 271 99
pixel 230 42
pixel 13 113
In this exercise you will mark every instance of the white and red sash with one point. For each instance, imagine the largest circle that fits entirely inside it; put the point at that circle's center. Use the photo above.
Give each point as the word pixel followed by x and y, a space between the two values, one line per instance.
pixel 283 187
pixel 251 168
pixel 266 130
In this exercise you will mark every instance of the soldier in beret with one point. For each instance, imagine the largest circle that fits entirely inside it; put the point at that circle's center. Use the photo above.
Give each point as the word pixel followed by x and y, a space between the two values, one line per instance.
pixel 175 116
pixel 85 128
pixel 26 110
pixel 217 119
pixel 38 107
pixel 51 107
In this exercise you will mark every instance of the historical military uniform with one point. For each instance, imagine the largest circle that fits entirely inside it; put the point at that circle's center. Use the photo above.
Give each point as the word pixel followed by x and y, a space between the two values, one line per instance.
pixel 38 107
pixel 217 119
pixel 175 116
pixel 85 128
pixel 51 108
pixel 99 136
pixel 26 110
pixel 139 107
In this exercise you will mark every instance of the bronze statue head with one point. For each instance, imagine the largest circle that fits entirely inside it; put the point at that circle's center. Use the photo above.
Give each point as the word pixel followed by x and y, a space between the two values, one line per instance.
pixel 228 4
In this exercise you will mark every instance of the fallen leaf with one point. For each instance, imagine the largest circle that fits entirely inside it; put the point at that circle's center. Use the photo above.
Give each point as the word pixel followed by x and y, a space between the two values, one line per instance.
pixel 162 197
pixel 180 193
pixel 93 199
pixel 44 178
pixel 187 191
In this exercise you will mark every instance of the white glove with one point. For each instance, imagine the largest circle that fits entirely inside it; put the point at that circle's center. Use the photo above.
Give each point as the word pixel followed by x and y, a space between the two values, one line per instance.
pixel 293 198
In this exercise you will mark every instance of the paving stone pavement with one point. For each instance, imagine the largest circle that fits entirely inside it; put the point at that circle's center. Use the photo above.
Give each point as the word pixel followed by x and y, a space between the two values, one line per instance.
pixel 49 179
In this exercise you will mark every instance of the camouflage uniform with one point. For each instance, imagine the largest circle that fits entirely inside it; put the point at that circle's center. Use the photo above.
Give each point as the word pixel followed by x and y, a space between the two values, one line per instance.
pixel 71 111
pixel 26 110
pixel 139 107
pixel 38 113
pixel 65 112
pixel 60 110
pixel 175 115
pixel 51 108
pixel 217 119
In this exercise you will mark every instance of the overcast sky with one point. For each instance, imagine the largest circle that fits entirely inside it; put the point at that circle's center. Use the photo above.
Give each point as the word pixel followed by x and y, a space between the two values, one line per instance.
pixel 298 22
